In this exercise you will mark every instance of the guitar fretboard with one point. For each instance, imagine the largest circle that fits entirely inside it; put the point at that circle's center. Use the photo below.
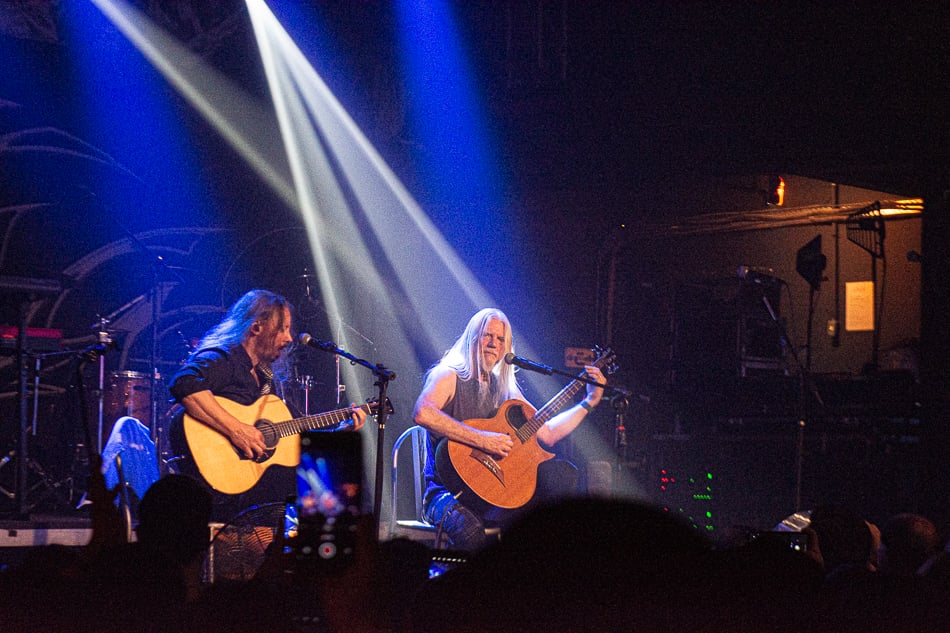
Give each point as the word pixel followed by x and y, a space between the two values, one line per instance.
pixel 320 420
pixel 558 402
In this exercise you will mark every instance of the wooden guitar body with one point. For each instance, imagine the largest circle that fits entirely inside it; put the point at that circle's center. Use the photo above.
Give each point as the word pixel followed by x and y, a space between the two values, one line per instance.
pixel 228 470
pixel 507 482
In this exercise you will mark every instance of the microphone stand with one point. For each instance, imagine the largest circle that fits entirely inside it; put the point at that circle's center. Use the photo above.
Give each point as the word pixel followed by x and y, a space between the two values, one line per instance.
pixel 548 370
pixel 383 376
pixel 620 400
pixel 805 382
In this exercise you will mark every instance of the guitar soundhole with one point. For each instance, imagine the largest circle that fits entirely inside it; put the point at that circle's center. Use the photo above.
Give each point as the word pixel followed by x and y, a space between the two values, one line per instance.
pixel 516 418
pixel 271 437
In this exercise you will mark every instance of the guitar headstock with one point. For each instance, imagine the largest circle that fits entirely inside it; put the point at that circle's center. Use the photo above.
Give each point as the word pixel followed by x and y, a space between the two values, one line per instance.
pixel 372 406
pixel 606 360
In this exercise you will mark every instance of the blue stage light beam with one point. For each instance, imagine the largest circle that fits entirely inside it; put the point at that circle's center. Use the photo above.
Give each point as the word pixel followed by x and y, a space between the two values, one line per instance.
pixel 246 125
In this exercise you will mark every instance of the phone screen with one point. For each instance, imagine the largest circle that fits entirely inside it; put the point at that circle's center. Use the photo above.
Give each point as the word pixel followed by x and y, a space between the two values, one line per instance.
pixel 797 541
pixel 329 496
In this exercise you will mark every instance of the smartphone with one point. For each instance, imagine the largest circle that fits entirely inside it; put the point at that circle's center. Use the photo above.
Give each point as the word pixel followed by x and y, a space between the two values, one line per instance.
pixel 329 498
pixel 797 541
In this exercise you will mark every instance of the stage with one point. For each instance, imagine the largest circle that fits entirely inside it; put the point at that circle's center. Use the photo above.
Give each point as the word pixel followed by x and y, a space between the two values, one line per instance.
pixel 17 535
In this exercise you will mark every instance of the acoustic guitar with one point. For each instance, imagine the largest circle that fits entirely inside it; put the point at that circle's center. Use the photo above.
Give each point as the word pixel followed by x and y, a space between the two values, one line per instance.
pixel 228 470
pixel 510 481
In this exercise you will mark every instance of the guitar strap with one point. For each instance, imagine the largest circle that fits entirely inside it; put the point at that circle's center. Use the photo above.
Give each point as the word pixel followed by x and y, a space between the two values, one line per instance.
pixel 266 376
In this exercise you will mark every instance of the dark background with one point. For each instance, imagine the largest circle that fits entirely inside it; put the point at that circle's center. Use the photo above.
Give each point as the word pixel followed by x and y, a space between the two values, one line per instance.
pixel 615 118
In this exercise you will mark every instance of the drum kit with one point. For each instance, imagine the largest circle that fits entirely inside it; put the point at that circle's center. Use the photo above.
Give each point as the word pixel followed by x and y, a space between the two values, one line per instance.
pixel 109 395
pixel 65 416
pixel 52 402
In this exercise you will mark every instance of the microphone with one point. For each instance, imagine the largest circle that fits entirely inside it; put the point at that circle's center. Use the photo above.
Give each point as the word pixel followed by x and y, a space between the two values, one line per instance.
pixel 327 346
pixel 524 363
pixel 308 341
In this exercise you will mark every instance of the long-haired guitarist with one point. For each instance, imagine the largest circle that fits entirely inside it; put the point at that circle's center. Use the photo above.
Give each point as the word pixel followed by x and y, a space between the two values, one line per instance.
pixel 236 362
pixel 471 381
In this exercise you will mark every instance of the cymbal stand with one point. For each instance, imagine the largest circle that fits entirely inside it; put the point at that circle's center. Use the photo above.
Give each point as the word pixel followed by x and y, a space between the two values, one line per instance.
pixel 102 337
pixel 306 383
pixel 37 364
pixel 45 481
pixel 34 467
pixel 23 491
pixel 23 451
pixel 157 266
pixel 9 494
pixel 340 387
pixel 155 376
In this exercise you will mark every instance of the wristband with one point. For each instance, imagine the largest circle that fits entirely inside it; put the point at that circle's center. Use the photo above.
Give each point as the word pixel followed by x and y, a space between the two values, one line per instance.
pixel 586 405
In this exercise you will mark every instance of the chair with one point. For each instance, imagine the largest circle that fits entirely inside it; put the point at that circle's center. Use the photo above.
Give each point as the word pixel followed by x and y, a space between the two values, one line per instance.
pixel 416 435
pixel 417 525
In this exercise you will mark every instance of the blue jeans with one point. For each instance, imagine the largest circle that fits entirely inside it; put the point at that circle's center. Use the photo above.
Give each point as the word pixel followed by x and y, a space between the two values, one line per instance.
pixel 463 528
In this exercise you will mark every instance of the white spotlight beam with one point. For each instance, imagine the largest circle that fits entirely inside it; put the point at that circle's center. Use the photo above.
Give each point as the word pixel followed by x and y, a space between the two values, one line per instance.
pixel 413 247
pixel 248 126
pixel 331 231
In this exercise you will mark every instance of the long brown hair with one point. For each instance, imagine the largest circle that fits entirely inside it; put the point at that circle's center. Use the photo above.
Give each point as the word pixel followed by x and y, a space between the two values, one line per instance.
pixel 235 328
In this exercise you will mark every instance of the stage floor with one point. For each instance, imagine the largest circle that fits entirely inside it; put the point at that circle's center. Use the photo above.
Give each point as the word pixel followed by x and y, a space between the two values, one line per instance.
pixel 18 535
pixel 45 530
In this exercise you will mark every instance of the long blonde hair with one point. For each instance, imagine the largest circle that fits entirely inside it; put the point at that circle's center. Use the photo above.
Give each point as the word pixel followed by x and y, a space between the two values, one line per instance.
pixel 463 357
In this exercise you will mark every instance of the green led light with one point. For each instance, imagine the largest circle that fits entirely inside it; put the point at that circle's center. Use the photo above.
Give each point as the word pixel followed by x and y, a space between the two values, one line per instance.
pixel 709 515
pixel 708 475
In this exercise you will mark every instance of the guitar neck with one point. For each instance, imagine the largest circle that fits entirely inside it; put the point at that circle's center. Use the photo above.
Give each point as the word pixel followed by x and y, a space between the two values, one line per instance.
pixel 317 421
pixel 560 400
pixel 553 406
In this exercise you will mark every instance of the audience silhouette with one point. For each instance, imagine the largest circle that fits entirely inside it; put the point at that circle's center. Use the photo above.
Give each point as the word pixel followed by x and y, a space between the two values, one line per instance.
pixel 577 564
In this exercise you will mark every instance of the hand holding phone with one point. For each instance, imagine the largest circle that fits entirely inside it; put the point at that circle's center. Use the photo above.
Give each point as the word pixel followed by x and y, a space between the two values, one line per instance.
pixel 329 499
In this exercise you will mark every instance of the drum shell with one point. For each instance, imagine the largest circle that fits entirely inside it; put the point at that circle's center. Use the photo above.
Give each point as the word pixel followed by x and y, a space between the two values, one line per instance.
pixel 127 393
pixel 124 393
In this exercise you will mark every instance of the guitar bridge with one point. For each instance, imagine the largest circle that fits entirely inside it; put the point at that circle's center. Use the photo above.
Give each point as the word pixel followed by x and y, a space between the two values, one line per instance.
pixel 493 467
